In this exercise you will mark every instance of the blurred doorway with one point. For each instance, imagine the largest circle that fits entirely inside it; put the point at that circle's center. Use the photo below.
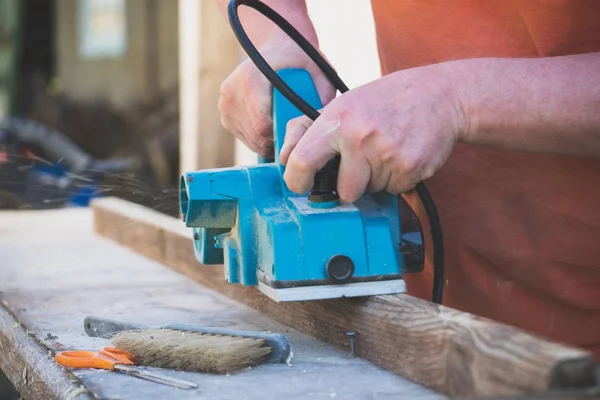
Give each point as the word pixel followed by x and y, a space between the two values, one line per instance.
pixel 36 60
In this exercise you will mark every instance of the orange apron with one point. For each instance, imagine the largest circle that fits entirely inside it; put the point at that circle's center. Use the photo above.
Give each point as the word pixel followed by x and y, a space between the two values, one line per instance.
pixel 522 231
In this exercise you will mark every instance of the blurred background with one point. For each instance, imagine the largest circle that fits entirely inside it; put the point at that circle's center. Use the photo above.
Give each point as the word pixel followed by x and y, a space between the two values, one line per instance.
pixel 118 97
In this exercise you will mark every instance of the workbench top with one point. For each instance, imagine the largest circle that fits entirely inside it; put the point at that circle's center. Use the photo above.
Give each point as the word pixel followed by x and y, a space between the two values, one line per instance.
pixel 55 272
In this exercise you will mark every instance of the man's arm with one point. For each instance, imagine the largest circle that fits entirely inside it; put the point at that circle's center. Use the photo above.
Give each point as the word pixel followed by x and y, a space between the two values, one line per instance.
pixel 400 129
pixel 540 104
pixel 245 102
pixel 261 30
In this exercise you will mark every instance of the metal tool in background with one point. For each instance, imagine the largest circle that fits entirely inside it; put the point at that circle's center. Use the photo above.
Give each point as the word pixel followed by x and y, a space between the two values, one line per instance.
pixel 42 168
pixel 308 246
pixel 281 349
pixel 112 359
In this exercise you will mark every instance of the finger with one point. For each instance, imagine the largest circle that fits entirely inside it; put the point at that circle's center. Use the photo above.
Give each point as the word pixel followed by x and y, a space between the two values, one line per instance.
pixel 401 184
pixel 264 150
pixel 256 124
pixel 294 131
pixel 258 145
pixel 258 118
pixel 380 174
pixel 354 175
pixel 380 179
pixel 227 109
pixel 324 88
pixel 261 145
pixel 311 153
pixel 259 112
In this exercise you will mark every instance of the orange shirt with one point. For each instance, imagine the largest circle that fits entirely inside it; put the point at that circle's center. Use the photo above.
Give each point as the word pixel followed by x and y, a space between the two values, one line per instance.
pixel 521 231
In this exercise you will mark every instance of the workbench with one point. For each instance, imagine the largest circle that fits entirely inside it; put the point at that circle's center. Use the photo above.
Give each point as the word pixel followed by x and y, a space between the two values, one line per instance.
pixel 56 271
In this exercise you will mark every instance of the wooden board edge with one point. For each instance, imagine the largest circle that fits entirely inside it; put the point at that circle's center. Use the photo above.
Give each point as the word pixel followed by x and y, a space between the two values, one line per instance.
pixel 164 239
pixel 567 394
pixel 32 368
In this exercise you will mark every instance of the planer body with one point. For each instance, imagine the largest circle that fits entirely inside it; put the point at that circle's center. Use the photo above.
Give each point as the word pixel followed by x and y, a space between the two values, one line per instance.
pixel 246 219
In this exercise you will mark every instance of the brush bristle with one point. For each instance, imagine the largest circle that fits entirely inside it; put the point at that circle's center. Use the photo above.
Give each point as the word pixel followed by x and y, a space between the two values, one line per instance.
pixel 191 351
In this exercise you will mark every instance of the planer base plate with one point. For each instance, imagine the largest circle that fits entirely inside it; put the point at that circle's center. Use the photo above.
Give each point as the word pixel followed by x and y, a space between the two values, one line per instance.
pixel 321 292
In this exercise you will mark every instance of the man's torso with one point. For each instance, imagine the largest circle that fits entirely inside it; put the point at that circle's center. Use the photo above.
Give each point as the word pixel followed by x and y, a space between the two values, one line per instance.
pixel 522 231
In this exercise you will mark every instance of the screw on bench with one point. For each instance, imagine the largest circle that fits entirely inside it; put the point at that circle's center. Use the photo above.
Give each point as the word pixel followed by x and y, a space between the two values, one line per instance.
pixel 352 336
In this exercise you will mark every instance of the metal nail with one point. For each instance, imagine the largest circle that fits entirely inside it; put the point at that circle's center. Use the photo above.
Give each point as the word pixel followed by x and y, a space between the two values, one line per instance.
pixel 352 336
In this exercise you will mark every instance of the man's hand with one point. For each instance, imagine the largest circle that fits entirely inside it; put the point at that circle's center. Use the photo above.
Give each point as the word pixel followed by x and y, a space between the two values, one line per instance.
pixel 391 134
pixel 399 130
pixel 246 95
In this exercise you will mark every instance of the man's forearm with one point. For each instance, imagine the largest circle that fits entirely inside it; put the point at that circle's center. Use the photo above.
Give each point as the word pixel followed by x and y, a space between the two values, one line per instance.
pixel 260 29
pixel 539 104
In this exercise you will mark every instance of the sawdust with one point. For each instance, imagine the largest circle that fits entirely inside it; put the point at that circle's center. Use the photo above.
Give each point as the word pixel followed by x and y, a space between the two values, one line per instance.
pixel 77 392
pixel 188 351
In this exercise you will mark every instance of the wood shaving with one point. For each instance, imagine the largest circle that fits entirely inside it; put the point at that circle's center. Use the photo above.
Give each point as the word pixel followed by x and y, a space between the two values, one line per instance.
pixel 77 392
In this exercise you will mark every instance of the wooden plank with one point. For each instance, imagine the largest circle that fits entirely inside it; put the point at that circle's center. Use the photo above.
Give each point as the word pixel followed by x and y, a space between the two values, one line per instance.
pixel 30 367
pixel 455 353
pixel 74 273
pixel 208 53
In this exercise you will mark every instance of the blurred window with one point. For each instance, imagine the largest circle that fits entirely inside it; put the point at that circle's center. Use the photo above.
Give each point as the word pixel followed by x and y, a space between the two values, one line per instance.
pixel 102 28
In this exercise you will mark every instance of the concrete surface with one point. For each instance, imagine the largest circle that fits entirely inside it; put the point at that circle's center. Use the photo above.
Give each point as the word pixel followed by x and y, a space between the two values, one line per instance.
pixel 55 272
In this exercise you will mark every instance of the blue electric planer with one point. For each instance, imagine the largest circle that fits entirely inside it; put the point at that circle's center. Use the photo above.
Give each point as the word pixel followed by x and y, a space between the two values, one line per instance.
pixel 309 246
pixel 291 248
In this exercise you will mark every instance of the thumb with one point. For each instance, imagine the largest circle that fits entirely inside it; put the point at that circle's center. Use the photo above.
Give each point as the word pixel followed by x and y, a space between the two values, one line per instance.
pixel 324 88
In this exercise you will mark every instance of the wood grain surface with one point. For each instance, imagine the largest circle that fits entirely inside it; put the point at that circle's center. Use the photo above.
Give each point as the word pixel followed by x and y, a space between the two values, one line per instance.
pixel 31 367
pixel 455 353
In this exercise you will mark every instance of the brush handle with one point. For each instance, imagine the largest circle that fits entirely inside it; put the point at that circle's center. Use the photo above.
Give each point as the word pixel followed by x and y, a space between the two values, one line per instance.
pixel 103 327
pixel 281 350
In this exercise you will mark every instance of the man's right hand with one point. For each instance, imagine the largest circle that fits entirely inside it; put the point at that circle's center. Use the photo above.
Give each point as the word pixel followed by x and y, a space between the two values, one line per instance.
pixel 246 95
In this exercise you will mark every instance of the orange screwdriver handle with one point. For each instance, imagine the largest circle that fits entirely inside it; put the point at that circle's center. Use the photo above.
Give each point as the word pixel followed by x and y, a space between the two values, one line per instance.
pixel 84 359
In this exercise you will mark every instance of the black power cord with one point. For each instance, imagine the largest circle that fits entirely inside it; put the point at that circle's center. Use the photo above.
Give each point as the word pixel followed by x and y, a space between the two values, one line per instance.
pixel 304 107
